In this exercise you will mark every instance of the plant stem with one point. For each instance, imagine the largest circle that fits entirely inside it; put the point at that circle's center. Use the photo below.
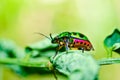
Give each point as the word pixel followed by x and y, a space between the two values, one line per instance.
pixel 42 62
pixel 108 61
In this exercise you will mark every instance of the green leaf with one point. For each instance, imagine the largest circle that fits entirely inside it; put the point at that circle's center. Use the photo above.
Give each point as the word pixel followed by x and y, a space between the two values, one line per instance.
pixel 76 65
pixel 9 49
pixel 116 47
pixel 42 48
pixel 14 58
pixel 112 42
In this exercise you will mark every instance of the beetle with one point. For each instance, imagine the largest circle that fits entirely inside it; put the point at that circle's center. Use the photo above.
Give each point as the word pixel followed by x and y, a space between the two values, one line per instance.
pixel 71 40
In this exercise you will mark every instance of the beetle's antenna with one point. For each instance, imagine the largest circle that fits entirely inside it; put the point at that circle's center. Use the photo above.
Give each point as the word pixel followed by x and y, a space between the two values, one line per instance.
pixel 43 35
pixel 51 36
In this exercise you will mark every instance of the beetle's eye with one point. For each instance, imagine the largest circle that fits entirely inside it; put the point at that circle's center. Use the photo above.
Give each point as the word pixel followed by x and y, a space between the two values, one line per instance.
pixel 54 40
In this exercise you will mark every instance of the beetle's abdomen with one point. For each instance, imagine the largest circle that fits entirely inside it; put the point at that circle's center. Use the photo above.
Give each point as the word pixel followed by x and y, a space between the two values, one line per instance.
pixel 82 44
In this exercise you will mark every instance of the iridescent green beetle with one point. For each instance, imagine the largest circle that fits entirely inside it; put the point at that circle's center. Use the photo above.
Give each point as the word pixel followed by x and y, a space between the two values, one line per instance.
pixel 71 40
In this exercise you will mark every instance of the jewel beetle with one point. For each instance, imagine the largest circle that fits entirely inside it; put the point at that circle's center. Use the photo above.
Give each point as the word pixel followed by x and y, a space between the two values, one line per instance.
pixel 71 40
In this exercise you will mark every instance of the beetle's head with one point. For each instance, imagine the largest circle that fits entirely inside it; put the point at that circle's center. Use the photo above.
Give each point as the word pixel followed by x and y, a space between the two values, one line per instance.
pixel 54 40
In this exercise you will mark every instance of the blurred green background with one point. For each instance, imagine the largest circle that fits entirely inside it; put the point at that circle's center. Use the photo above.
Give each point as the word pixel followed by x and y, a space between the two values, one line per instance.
pixel 20 19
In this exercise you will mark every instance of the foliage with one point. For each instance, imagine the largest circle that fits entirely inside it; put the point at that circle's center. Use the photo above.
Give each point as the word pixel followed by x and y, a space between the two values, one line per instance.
pixel 112 42
pixel 38 58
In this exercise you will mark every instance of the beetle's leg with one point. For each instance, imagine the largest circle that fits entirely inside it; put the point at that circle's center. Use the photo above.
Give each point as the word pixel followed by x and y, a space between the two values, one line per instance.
pixel 58 48
pixel 67 45
pixel 93 49
pixel 82 50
